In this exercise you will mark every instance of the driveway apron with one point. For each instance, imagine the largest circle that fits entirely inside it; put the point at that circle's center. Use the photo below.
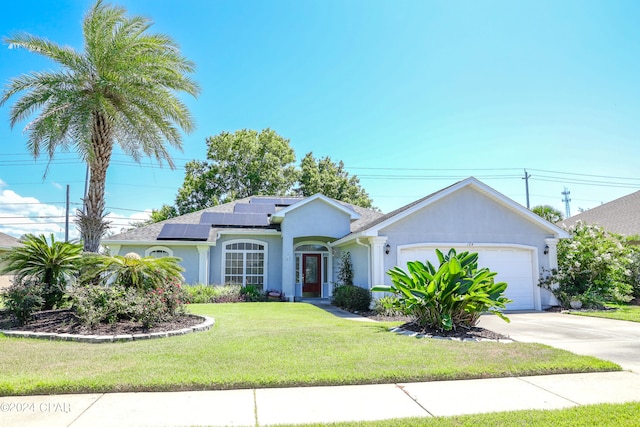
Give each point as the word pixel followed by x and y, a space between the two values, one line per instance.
pixel 614 340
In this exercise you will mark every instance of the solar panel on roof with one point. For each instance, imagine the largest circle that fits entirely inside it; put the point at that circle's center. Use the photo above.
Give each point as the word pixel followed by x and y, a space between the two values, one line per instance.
pixel 262 208
pixel 278 201
pixel 235 219
pixel 184 232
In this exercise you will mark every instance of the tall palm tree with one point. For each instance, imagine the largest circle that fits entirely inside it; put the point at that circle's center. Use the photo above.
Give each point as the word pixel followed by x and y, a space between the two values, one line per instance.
pixel 121 89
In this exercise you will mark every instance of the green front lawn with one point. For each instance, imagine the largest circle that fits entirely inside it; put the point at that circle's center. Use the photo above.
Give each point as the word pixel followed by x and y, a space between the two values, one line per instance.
pixel 620 312
pixel 269 345
pixel 603 415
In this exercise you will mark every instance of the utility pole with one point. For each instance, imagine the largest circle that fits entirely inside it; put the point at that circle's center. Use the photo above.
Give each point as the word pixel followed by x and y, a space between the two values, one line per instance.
pixel 526 184
pixel 66 219
pixel 566 201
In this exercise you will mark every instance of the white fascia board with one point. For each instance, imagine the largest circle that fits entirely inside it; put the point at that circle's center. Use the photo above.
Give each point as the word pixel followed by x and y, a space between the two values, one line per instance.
pixel 251 232
pixel 279 215
pixel 353 237
pixel 156 242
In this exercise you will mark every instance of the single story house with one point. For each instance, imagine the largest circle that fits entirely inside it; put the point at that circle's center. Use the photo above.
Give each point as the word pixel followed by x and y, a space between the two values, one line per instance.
pixel 294 244
pixel 619 216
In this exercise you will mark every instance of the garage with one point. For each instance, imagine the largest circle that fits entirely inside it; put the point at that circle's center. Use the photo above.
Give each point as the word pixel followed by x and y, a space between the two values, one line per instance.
pixel 514 264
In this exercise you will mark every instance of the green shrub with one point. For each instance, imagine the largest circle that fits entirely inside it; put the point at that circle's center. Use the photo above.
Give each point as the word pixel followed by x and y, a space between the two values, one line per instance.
pixel 454 295
pixel 634 272
pixel 200 294
pixel 228 293
pixel 24 298
pixel 352 297
pixel 252 293
pixel 96 304
pixel 388 305
pixel 206 294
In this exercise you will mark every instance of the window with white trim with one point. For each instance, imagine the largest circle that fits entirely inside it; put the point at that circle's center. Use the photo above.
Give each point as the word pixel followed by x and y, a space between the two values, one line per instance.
pixel 158 252
pixel 244 263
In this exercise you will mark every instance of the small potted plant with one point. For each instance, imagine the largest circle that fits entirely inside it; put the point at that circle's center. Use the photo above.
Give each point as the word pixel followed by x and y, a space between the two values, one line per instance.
pixel 274 295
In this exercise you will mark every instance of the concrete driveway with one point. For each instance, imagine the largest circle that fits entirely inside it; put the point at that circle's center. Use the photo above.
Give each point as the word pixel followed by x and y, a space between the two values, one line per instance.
pixel 614 340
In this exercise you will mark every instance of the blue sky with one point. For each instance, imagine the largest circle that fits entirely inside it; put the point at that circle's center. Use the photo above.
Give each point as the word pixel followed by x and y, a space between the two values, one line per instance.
pixel 411 95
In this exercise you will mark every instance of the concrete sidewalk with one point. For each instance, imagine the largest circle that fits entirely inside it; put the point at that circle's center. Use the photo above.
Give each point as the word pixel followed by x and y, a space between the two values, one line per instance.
pixel 264 407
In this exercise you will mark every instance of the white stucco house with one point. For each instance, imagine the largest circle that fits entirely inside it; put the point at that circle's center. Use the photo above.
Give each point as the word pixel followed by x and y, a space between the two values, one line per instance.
pixel 294 244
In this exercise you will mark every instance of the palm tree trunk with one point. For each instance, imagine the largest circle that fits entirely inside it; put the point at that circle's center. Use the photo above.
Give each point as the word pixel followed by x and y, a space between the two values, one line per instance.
pixel 92 223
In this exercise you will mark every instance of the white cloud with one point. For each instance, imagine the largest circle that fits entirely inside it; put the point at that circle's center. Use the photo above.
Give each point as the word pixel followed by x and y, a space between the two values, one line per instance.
pixel 23 214
pixel 20 215
pixel 120 223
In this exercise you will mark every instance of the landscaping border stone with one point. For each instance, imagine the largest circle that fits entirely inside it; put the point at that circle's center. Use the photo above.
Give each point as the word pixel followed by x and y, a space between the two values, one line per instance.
pixel 97 339
pixel 408 333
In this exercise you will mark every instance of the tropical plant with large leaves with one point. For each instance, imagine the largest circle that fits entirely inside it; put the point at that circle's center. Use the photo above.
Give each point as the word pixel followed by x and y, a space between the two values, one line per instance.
pixel 451 296
pixel 131 271
pixel 49 263
pixel 121 89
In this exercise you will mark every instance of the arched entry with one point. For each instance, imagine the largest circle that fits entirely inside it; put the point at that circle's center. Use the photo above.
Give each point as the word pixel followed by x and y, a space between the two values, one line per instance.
pixel 312 268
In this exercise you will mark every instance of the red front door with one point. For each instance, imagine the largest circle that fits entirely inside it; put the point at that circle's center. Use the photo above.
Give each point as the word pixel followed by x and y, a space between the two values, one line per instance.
pixel 312 280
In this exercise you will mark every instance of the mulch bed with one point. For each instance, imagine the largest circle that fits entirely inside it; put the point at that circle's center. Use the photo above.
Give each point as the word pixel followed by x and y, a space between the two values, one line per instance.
pixel 461 333
pixel 66 322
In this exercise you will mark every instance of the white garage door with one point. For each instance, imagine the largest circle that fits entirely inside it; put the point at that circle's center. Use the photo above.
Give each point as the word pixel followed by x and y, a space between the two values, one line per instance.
pixel 514 266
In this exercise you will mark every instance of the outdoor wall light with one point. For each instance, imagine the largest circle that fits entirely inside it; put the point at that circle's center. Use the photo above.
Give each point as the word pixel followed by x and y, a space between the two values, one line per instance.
pixel 546 249
pixel 387 248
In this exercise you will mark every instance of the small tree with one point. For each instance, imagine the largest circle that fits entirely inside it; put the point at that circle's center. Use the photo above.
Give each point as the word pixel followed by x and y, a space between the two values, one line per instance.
pixel 345 270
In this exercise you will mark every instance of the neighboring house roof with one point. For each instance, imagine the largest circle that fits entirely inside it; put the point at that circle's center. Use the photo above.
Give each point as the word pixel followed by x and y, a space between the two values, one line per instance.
pixel 372 228
pixel 620 216
pixel 150 232
pixel 8 242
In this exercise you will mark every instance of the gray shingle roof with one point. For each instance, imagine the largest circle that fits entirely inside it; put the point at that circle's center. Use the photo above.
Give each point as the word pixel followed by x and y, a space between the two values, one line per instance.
pixel 150 232
pixel 620 216
pixel 7 242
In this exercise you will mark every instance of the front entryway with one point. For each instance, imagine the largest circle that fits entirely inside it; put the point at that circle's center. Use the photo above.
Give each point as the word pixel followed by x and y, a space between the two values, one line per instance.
pixel 311 275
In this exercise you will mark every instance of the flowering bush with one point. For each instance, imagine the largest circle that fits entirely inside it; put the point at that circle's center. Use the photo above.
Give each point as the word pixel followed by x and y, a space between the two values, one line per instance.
pixel 592 267
pixel 109 304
